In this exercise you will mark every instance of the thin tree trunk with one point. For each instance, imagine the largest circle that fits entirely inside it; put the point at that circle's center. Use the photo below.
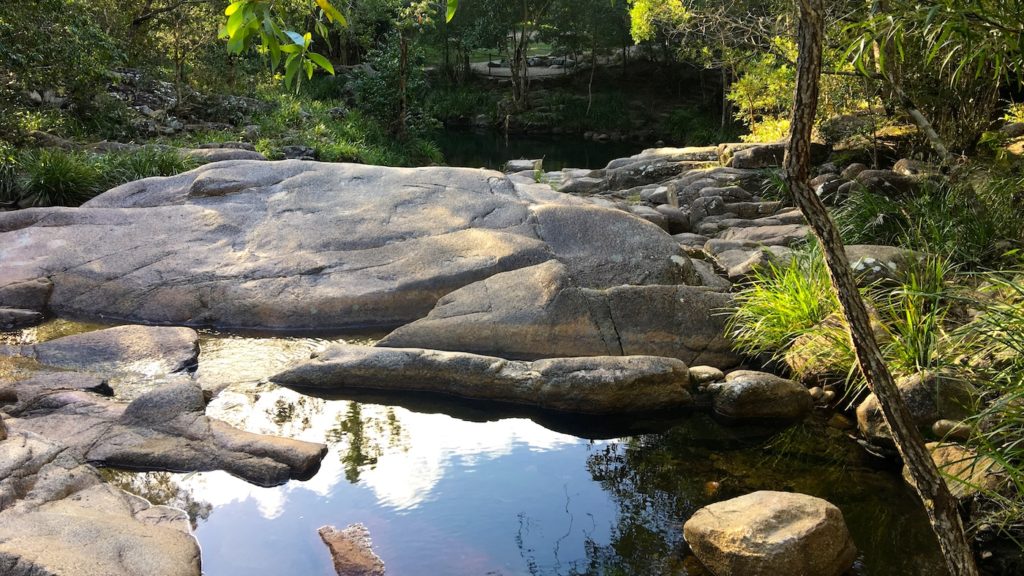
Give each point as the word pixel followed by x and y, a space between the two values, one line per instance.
pixel 938 502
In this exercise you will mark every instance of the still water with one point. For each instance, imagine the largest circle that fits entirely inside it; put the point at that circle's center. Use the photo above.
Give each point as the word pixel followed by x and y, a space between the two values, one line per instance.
pixel 493 149
pixel 447 489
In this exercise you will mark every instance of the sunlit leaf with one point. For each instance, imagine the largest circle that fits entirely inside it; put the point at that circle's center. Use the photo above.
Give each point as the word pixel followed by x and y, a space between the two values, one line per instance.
pixel 453 5
pixel 321 62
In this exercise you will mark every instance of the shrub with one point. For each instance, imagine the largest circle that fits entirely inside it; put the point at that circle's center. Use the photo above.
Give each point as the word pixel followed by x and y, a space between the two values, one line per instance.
pixel 698 127
pixel 53 177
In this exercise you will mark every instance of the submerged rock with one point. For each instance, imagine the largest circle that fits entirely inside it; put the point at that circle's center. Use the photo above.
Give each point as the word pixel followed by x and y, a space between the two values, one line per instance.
pixel 771 533
pixel 598 385
pixel 58 517
pixel 352 551
pixel 541 312
pixel 305 245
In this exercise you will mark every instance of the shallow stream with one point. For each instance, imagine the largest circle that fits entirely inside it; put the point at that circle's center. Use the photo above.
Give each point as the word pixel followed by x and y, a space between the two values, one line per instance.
pixel 450 489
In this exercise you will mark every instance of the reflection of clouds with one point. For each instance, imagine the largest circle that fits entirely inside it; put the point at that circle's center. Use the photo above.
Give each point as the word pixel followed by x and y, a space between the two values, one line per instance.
pixel 413 450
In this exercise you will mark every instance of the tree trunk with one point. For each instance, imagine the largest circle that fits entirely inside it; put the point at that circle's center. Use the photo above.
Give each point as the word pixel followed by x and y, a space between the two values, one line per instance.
pixel 938 502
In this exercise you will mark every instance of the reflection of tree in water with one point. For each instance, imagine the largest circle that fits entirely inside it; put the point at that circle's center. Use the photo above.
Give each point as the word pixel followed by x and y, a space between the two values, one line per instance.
pixel 299 412
pixel 658 481
pixel 161 489
pixel 362 437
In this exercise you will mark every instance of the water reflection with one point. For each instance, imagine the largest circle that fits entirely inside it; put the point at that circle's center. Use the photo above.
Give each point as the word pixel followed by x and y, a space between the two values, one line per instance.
pixel 449 488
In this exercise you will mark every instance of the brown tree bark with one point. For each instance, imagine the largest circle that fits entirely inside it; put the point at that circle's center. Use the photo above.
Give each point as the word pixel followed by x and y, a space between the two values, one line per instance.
pixel 938 502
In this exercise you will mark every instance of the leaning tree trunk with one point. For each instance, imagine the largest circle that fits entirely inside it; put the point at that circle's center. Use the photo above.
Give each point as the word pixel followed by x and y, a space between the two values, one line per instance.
pixel 939 503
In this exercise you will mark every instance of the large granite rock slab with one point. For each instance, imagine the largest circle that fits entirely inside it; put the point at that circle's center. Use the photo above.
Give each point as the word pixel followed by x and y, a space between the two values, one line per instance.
pixel 58 517
pixel 163 429
pixel 305 245
pixel 542 312
pixel 771 533
pixel 597 385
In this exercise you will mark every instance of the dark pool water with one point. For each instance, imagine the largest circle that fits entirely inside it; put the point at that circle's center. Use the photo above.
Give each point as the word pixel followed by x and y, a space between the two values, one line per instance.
pixel 492 150
pixel 451 489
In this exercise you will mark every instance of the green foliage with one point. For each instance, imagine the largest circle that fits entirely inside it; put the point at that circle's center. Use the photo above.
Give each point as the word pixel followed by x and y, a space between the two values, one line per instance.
pixel 452 103
pixel 967 223
pixel 53 177
pixel 8 172
pixel 337 133
pixel 379 91
pixel 147 162
pixel 692 126
pixel 790 314
pixel 994 342
pixel 57 45
pixel 917 315
pixel 781 303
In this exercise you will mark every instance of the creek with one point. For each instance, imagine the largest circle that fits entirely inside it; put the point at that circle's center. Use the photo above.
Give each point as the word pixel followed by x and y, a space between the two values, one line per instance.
pixel 493 149
pixel 454 489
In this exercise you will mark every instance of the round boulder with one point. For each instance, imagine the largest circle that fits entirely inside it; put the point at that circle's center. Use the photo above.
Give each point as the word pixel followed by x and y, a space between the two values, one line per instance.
pixel 771 533
pixel 747 395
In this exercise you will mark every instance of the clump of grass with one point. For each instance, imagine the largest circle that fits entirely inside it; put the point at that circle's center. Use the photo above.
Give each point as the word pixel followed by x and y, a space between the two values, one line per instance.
pixel 780 304
pixel 963 222
pixel 790 314
pixel 995 343
pixel 147 162
pixel 8 172
pixel 53 177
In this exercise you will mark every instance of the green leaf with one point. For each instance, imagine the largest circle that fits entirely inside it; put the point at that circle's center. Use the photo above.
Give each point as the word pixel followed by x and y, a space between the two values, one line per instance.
pixel 333 14
pixel 291 69
pixel 233 7
pixel 321 62
pixel 290 48
pixel 235 22
pixel 309 68
pixel 453 5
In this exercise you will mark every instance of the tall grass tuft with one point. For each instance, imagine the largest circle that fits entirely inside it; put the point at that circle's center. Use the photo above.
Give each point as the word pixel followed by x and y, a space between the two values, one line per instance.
pixel 995 342
pixel 780 304
pixel 53 177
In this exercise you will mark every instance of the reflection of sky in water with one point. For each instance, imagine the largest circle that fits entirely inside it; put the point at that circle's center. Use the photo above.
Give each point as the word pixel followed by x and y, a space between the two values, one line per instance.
pixel 439 495
pixel 443 496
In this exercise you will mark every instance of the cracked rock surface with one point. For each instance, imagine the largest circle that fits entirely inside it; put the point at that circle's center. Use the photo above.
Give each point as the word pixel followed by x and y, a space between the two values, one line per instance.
pixel 305 245
pixel 58 517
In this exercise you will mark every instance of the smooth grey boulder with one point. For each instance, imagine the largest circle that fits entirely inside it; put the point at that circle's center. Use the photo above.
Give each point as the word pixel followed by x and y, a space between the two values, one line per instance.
pixel 758 396
pixel 778 235
pixel 163 429
pixel 121 349
pixel 929 397
pixel 769 534
pixel 594 385
pixel 306 245
pixel 539 312
pixel 58 517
